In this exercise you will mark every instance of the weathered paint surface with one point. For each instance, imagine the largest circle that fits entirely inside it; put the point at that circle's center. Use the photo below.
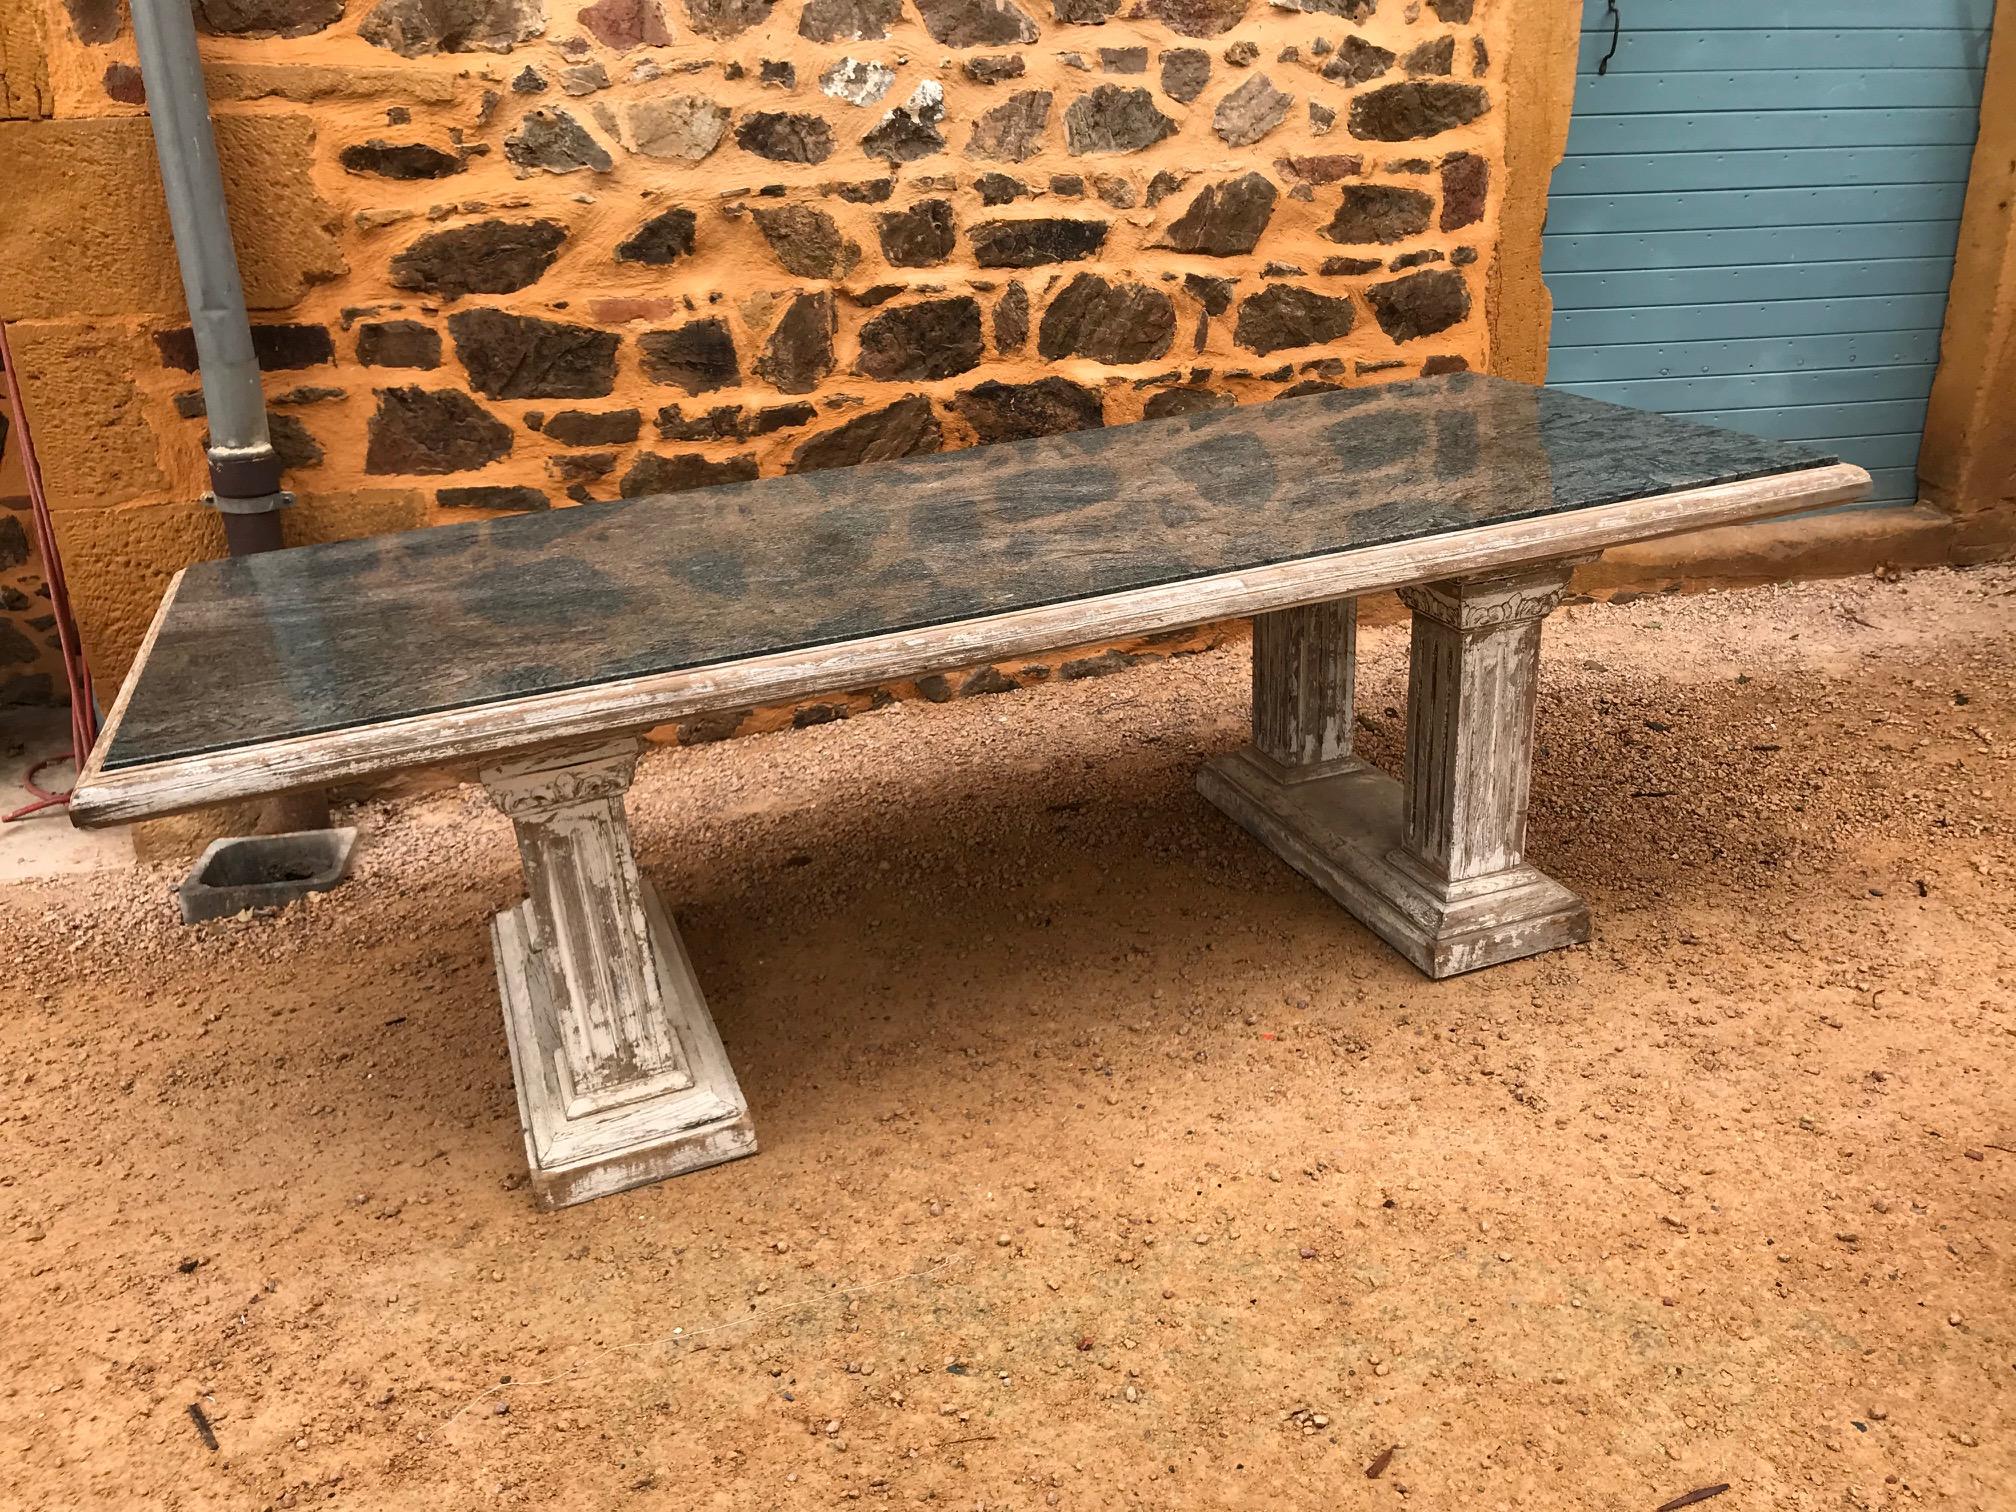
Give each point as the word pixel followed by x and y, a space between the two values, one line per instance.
pixel 1755 222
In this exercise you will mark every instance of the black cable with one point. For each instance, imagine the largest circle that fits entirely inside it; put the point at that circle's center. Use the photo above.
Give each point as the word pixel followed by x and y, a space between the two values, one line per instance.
pixel 1616 28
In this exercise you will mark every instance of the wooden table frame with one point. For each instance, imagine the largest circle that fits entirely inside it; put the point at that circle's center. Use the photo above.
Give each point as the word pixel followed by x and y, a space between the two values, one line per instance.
pixel 621 1076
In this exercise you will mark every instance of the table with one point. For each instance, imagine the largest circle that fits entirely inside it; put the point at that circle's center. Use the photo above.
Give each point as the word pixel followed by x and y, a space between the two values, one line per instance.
pixel 535 650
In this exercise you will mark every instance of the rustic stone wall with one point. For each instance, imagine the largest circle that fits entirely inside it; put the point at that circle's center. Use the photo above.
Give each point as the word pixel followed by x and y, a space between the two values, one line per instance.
pixel 31 659
pixel 521 254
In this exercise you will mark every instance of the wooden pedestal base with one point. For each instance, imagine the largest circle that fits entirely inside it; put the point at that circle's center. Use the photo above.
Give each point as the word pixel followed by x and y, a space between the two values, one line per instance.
pixel 1344 832
pixel 1433 862
pixel 609 1148
pixel 621 1075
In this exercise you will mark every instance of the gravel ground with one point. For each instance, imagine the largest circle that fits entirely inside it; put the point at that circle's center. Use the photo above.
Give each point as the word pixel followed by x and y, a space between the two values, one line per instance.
pixel 1106 1164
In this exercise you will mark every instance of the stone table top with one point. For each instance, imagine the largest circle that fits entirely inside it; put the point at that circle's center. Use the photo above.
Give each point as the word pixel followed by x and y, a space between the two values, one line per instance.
pixel 332 637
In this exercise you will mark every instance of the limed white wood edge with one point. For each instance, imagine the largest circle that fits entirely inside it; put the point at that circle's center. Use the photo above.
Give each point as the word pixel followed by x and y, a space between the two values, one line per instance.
pixel 636 704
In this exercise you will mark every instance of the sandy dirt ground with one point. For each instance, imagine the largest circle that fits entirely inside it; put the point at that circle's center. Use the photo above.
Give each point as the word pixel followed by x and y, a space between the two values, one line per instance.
pixel 1106 1164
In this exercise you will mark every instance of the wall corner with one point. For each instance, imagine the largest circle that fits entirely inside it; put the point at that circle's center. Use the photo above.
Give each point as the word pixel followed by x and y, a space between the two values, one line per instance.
pixel 1967 463
pixel 1539 96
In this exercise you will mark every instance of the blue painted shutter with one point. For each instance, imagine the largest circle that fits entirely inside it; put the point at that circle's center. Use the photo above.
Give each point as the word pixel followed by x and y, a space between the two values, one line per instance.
pixel 1755 221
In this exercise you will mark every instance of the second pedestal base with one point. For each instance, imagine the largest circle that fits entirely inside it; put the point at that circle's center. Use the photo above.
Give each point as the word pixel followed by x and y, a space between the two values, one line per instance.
pixel 658 1135
pixel 1344 832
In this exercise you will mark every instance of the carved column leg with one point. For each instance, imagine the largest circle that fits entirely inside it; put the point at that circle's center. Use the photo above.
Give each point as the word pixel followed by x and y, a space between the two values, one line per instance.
pixel 621 1075
pixel 1473 679
pixel 1434 865
pixel 1305 667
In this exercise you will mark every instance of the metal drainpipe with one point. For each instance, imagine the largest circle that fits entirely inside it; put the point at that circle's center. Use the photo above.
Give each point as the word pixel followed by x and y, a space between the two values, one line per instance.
pixel 244 473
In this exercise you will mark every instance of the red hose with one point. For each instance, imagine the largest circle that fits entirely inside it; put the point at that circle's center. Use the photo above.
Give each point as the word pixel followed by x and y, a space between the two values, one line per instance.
pixel 76 671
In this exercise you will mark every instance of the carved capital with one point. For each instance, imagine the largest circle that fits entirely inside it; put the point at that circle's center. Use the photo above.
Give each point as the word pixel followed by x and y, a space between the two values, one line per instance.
pixel 535 785
pixel 1470 604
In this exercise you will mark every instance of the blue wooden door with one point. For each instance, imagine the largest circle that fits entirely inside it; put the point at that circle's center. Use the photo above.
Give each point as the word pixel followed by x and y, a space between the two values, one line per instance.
pixel 1755 221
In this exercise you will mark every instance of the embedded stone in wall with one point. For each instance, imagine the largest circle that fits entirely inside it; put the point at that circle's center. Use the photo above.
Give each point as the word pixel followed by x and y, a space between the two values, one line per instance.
pixel 1282 316
pixel 976 23
pixel 917 343
pixel 1437 56
pixel 785 137
pixel 1421 304
pixel 1185 72
pixel 663 239
pixel 699 357
pixel 862 191
pixel 551 139
pixel 1466 181
pixel 1215 294
pixel 514 497
pixel 848 20
pixel 722 423
pixel 907 428
pixel 276 348
pixel 1115 190
pixel 96 21
pixel 399 160
pixel 1185 401
pixel 594 427
pixel 919 237
pixel 1224 220
pixel 1113 118
pixel 1032 243
pixel 679 128
pixel 1357 61
pixel 416 430
pixel 1197 18
pixel 398 344
pixel 294 447
pixel 584 79
pixel 490 257
pixel 910 131
pixel 1084 12
pixel 807 241
pixel 413 28
pixel 266 18
pixel 16 649
pixel 1379 213
pixel 1018 411
pixel 799 353
pixel 1013 130
pixel 1322 168
pixel 523 357
pixel 1452 10
pixel 994 70
pixel 1349 10
pixel 653 474
pixel 581 467
pixel 1108 322
pixel 1250 112
pixel 1408 112
pixel 624 24
pixel 727 18
pixel 122 82
pixel 857 82
pixel 1011 319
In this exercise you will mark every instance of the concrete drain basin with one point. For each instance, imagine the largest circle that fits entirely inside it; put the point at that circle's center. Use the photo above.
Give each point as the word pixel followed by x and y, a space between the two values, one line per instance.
pixel 264 871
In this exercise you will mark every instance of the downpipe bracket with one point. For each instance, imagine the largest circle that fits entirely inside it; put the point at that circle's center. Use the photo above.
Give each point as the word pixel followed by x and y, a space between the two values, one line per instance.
pixel 260 504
